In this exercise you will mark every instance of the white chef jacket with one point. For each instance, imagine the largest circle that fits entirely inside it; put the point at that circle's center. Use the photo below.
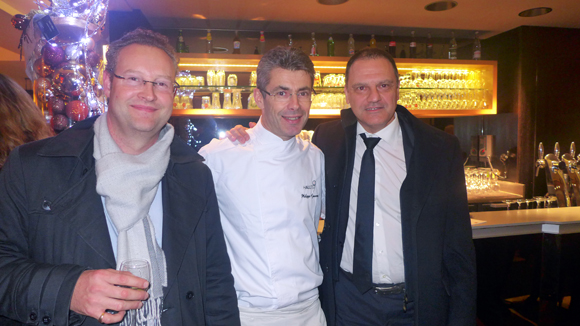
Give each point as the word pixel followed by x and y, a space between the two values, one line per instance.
pixel 390 172
pixel 271 196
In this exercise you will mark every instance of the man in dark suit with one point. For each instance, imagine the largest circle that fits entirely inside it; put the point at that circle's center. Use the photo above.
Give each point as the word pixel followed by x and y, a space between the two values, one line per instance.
pixel 119 187
pixel 396 247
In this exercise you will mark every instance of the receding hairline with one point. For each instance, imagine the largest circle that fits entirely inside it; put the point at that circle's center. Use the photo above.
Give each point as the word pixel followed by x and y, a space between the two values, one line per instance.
pixel 369 58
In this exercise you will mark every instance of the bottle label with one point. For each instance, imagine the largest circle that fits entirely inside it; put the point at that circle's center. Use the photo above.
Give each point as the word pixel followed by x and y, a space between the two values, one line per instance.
pixel 262 38
pixel 236 44
pixel 430 46
pixel 180 38
pixel 476 54
pixel 413 44
pixel 392 43
pixel 313 50
pixel 351 51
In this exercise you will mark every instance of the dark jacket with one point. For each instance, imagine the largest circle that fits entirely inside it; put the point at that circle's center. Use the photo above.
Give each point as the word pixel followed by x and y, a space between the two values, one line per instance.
pixel 53 227
pixel 438 250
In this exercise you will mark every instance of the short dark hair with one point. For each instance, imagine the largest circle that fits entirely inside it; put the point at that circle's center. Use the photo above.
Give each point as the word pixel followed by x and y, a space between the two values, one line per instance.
pixel 142 37
pixel 371 53
pixel 288 58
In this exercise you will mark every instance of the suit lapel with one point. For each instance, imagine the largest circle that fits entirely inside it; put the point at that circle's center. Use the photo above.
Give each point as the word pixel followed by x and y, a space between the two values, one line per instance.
pixel 88 218
pixel 349 125
pixel 421 158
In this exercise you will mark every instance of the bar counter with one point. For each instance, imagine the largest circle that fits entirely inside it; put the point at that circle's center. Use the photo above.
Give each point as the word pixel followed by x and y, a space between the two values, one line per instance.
pixel 563 220
pixel 557 226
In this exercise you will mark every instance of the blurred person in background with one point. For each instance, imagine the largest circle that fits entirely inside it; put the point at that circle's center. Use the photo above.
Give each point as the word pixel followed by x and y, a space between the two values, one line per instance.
pixel 21 121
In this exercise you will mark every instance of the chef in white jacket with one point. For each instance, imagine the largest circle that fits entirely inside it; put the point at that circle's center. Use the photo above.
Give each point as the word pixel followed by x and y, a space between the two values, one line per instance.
pixel 271 195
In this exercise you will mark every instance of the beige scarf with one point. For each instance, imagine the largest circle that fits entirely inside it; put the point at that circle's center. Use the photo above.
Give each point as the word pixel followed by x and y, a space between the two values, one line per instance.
pixel 129 184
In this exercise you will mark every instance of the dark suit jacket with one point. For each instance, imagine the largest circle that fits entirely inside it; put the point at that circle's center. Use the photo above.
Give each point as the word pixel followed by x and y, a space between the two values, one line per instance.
pixel 53 227
pixel 438 250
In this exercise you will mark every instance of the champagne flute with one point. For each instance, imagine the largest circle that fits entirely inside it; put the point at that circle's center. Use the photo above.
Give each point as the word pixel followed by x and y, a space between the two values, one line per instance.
pixel 139 268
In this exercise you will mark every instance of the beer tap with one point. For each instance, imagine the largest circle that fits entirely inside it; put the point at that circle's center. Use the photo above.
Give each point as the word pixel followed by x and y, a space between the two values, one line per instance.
pixel 555 180
pixel 503 158
pixel 573 174
pixel 540 163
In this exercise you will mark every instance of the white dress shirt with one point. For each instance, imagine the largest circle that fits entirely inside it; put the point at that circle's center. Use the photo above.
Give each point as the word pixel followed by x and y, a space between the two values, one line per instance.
pixel 271 196
pixel 390 171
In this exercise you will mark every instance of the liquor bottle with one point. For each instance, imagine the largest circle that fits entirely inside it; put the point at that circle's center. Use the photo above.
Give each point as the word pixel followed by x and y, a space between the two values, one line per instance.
pixel 262 43
pixel 403 54
pixel 290 42
pixel 393 45
pixel 429 47
pixel 412 46
pixel 373 42
pixel 330 46
pixel 237 44
pixel 350 45
pixel 180 48
pixel 256 51
pixel 209 44
pixel 476 47
pixel 313 47
pixel 452 47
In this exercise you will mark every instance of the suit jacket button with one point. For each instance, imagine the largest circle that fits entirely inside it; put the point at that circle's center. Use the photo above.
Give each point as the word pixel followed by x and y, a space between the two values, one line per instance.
pixel 33 316
pixel 326 269
pixel 189 295
pixel 46 320
pixel 46 205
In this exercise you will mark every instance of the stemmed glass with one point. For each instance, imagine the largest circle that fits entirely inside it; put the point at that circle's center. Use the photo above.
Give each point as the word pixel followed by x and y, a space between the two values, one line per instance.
pixel 139 268
pixel 508 202
pixel 528 201
pixel 539 199
pixel 519 201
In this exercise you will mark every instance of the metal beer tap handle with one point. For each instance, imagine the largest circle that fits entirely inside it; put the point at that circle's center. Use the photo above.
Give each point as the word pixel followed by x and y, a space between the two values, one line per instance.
pixel 541 162
pixel 557 185
pixel 571 166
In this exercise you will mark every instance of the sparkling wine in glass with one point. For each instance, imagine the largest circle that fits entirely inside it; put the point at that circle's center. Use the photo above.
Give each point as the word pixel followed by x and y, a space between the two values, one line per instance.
pixel 137 267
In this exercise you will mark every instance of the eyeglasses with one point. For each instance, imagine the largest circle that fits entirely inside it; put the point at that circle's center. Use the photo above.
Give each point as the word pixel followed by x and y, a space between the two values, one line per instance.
pixel 159 86
pixel 304 96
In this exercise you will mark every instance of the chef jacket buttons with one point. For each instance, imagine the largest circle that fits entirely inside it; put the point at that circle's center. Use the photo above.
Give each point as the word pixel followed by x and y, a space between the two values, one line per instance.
pixel 46 320
pixel 189 295
pixel 33 316
pixel 46 205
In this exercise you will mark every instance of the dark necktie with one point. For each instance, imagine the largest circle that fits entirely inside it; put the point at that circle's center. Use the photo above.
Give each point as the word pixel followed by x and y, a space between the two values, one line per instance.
pixel 365 216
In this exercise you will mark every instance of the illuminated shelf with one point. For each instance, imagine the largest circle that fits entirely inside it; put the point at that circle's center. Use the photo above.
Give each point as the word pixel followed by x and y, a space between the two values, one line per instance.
pixel 201 62
pixel 315 113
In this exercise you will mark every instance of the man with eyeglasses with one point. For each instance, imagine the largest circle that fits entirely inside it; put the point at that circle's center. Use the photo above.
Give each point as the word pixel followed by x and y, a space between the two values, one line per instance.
pixel 109 190
pixel 271 195
pixel 396 247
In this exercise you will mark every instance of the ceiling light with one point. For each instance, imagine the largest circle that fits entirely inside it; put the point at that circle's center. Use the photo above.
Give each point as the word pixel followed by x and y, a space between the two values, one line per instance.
pixel 198 16
pixel 331 2
pixel 535 12
pixel 441 5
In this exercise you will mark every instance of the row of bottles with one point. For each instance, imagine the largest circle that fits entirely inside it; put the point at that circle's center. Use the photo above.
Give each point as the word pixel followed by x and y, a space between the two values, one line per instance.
pixel 391 46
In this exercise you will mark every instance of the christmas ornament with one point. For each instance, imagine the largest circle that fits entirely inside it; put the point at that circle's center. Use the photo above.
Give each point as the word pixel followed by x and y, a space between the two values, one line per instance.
pixel 77 110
